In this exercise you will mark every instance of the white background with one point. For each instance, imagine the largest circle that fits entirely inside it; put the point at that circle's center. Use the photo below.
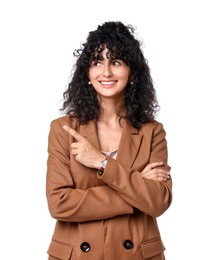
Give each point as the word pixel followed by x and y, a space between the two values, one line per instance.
pixel 182 45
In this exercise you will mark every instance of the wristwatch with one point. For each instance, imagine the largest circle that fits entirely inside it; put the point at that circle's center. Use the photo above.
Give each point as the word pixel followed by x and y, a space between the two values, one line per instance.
pixel 103 165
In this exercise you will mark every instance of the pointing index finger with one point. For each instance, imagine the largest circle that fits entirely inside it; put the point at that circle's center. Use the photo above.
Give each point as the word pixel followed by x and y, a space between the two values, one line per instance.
pixel 73 133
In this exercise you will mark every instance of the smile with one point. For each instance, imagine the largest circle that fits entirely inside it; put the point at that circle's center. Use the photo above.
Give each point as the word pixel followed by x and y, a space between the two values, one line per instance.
pixel 107 83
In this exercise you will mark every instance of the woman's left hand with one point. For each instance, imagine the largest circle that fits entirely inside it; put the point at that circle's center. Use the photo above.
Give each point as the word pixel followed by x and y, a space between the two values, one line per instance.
pixel 152 172
pixel 83 151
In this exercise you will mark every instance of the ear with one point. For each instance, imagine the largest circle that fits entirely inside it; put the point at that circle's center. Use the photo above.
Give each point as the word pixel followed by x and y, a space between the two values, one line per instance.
pixel 131 79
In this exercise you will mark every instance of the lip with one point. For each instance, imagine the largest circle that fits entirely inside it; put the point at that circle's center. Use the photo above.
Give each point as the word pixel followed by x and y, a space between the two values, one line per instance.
pixel 107 83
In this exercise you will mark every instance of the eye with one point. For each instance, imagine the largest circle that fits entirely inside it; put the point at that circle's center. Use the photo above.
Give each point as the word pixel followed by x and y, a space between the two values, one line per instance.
pixel 116 62
pixel 96 63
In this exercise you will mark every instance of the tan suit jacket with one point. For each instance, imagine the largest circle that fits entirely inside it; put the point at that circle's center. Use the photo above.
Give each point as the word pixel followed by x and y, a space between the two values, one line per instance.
pixel 112 216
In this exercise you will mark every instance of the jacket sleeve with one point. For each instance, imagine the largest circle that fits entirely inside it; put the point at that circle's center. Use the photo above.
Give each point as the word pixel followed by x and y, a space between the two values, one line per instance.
pixel 149 196
pixel 65 201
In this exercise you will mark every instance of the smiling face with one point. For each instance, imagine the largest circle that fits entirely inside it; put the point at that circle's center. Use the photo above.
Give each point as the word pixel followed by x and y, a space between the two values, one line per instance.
pixel 109 76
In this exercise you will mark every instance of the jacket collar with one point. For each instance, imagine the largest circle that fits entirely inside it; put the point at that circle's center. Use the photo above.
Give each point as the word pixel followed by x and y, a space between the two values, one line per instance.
pixel 129 144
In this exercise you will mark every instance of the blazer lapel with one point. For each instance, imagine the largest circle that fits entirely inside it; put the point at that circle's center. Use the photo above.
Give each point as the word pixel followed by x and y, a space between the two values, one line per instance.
pixel 129 144
pixel 89 131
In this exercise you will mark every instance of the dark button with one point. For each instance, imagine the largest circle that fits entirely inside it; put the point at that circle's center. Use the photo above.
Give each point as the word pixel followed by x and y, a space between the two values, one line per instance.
pixel 85 247
pixel 128 244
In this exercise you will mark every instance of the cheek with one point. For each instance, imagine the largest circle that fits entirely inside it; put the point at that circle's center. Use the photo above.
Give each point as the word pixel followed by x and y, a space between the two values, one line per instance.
pixel 125 76
pixel 93 73
pixel 89 74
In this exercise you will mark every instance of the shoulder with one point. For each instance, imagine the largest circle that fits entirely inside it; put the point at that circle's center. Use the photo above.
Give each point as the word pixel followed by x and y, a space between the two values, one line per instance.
pixel 57 135
pixel 152 125
pixel 149 128
pixel 155 129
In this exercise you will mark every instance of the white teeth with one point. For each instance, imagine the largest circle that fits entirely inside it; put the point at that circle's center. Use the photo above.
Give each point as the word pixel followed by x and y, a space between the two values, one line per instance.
pixel 107 82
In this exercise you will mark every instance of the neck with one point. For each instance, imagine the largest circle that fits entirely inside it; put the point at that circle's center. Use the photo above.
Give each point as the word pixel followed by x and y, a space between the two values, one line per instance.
pixel 108 111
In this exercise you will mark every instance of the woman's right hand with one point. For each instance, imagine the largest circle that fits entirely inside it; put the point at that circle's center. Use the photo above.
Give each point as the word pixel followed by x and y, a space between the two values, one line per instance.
pixel 153 172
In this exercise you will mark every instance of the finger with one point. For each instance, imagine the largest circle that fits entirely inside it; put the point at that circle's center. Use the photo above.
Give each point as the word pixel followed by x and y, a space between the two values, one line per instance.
pixel 159 171
pixel 74 151
pixel 161 175
pixel 153 165
pixel 160 179
pixel 156 173
pixel 72 132
pixel 75 145
pixel 157 178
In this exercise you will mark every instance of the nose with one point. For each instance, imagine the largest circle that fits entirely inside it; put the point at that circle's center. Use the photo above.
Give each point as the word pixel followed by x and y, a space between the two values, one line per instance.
pixel 107 72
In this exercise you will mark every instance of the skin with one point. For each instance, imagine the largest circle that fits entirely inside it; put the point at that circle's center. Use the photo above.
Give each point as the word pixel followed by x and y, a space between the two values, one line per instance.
pixel 87 155
pixel 109 78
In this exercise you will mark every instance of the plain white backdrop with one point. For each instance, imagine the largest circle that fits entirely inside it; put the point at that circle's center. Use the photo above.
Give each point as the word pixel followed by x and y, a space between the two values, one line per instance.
pixel 181 42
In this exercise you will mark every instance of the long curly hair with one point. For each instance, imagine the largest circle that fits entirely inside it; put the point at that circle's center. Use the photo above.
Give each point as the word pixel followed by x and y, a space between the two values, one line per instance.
pixel 140 102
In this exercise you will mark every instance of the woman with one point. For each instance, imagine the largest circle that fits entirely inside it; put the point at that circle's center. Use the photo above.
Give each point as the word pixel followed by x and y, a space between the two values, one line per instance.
pixel 107 177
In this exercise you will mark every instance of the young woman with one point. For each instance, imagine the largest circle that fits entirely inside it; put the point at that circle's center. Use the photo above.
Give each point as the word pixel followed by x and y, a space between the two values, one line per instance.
pixel 108 178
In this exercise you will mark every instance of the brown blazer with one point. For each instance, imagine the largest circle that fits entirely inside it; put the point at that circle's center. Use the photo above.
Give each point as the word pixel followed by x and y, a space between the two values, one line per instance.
pixel 112 216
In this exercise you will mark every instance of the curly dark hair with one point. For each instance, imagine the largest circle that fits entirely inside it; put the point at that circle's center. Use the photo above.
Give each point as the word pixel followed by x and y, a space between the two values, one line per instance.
pixel 140 102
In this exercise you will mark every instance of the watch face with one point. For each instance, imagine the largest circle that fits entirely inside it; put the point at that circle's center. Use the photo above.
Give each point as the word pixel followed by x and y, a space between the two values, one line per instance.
pixel 104 163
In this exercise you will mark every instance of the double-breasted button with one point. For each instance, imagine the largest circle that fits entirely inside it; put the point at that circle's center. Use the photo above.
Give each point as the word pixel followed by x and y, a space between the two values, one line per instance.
pixel 85 247
pixel 128 244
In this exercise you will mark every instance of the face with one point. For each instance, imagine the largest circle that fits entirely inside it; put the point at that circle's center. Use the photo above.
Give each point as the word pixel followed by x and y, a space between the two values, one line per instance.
pixel 109 77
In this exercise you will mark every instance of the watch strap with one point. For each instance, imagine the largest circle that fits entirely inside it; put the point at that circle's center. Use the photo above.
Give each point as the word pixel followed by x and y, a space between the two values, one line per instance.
pixel 102 168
